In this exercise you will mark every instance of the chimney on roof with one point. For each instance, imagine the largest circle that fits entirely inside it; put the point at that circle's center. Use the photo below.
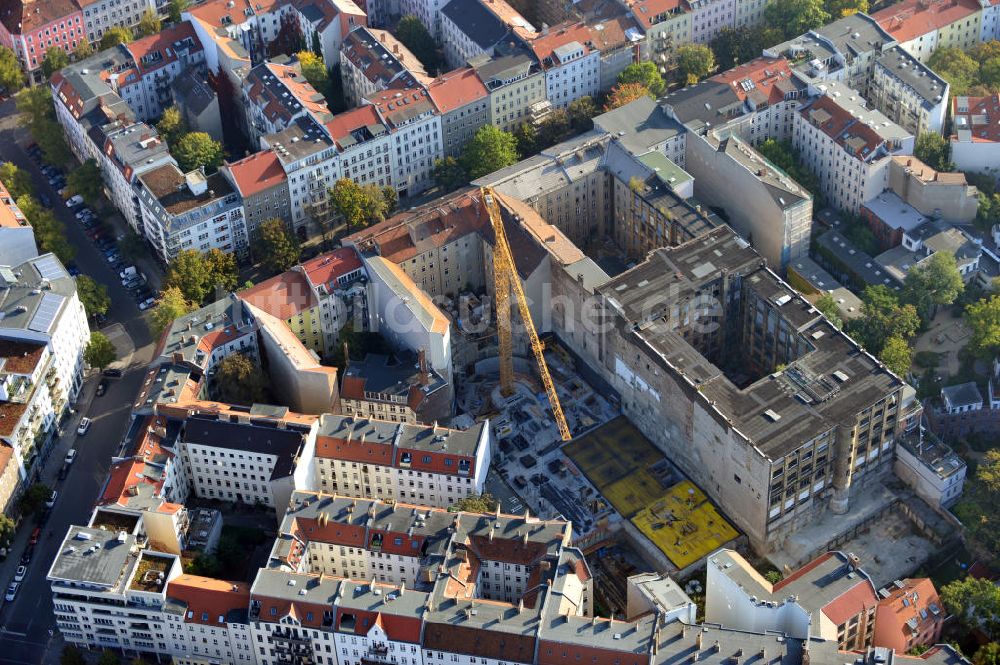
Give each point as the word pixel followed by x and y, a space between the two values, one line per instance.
pixel 347 356
pixel 700 640
pixel 395 48
pixel 425 378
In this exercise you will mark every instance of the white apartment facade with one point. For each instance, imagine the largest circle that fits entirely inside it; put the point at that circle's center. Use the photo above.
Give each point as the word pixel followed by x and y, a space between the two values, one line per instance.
pixel 572 70
pixel 708 17
pixel 99 15
pixel 128 153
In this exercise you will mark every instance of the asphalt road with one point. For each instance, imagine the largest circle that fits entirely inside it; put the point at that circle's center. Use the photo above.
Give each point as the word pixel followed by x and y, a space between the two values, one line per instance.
pixel 27 620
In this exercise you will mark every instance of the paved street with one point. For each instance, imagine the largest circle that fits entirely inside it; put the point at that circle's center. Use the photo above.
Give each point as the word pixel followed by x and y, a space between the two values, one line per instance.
pixel 27 620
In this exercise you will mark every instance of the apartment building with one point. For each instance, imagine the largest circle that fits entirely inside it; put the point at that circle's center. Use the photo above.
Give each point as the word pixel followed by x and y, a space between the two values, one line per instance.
pixel 620 42
pixel 643 126
pixel 364 143
pixel 373 60
pixel 708 17
pixel 928 465
pixel 10 479
pixel 263 188
pixel 786 475
pixel 99 15
pixel 908 92
pixel 923 26
pixel 975 144
pixel 402 462
pixel 428 11
pixel 17 238
pixel 43 334
pixel 572 66
pixel 473 28
pixel 30 29
pixel 155 61
pixel 764 205
pixel 909 615
pixel 129 151
pixel 516 84
pixel 948 196
pixel 463 103
pixel 830 597
pixel 399 388
pixel 847 146
pixel 666 25
pixel 415 134
pixel 245 462
pixel 191 211
pixel 335 278
pixel 276 94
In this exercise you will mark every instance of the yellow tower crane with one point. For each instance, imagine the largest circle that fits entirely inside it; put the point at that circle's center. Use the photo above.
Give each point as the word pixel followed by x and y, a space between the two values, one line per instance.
pixel 505 280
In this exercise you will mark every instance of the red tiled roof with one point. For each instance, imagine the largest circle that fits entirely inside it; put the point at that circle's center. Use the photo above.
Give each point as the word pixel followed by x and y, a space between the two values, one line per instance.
pixel 342 124
pixel 456 89
pixel 208 600
pixel 348 535
pixel 162 43
pixel 560 35
pixel 355 450
pixel 327 268
pixel 646 11
pixel 283 296
pixel 763 74
pixel 910 19
pixel 261 170
pixel 984 109
pixel 508 550
pixel 20 357
pixel 851 603
pixel 21 17
pixel 123 477
pixel 397 628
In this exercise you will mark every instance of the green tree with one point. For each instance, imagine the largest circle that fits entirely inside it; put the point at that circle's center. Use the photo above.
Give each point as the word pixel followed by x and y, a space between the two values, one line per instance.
pixel 882 317
pixel 314 70
pixel 93 295
pixel 526 136
pixel 934 282
pixel 358 205
pixel 100 352
pixel 171 125
pixel 975 603
pixel 414 36
pixel 784 156
pixel 734 46
pixel 149 24
pixel 39 116
pixel 238 380
pixel 116 35
pixel 34 498
pixel 133 246
pixel 983 318
pixel 581 113
pixel 645 74
pixel 83 49
pixel 956 67
pixel 197 149
pixel 773 576
pixel 50 234
pixel 989 73
pixel 71 655
pixel 86 181
pixel 933 150
pixel 796 17
pixel 109 657
pixel 897 355
pixel 174 9
pixel 449 173
pixel 491 149
pixel 222 272
pixel 475 503
pixel 391 198
pixel 988 654
pixel 988 471
pixel 554 129
pixel 277 248
pixel 171 305
pixel 54 60
pixel 625 93
pixel 17 182
pixel 828 306
pixel 11 76
pixel 988 214
pixel 694 62
pixel 7 528
pixel 841 8
pixel 188 272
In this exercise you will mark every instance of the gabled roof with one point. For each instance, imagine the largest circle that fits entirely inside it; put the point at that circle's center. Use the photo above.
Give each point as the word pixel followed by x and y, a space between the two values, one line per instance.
pixel 477 22
pixel 456 89
pixel 285 295
pixel 327 269
pixel 910 19
pixel 256 173
pixel 21 17
pixel 209 601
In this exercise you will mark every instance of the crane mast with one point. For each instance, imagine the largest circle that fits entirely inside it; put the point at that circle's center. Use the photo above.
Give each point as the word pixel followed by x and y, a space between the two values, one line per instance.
pixel 505 280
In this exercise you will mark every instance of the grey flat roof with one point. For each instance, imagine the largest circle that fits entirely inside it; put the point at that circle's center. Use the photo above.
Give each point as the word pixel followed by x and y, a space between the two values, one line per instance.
pixel 477 22
pixel 963 394
pixel 35 299
pixel 894 211
pixel 858 262
pixel 920 78
pixel 639 125
pixel 94 556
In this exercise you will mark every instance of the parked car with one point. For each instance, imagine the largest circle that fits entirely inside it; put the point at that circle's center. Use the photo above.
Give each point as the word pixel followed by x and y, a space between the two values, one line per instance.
pixel 52 499
pixel 70 456
pixel 21 572
pixel 74 201
pixel 147 303
pixel 102 387
pixel 35 535
pixel 45 200
pixel 113 373
pixel 84 427
pixel 114 258
pixel 84 212
pixel 12 591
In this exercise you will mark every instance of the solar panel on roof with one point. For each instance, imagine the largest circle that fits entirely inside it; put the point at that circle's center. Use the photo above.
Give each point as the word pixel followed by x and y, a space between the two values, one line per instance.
pixel 45 315
pixel 50 268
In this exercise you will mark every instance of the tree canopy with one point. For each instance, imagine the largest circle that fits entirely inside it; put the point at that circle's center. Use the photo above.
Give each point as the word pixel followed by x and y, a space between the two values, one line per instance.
pixel 149 24
pixel 54 60
pixel 783 155
pixel 315 71
pixel 17 182
pixel 11 76
pixel 116 35
pixel 491 149
pixel 83 49
pixel 646 74
pixel 625 93
pixel 796 17
pixel 581 112
pixel 171 305
pixel 449 173
pixel 359 205
pixel 475 503
pixel 277 248
pixel 86 181
pixel 199 276
pixel 694 62
pixel 988 654
pixel 956 67
pixel 238 380
pixel 197 149
pixel 883 317
pixel 414 36
pixel 734 46
pixel 174 9
pixel 975 603
pixel 39 116
pixel 936 281
pixel 933 150
pixel 35 497
pixel 983 318
pixel 897 355
pixel 50 234
pixel 828 306
pixel 100 352
pixel 93 295
pixel 171 125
